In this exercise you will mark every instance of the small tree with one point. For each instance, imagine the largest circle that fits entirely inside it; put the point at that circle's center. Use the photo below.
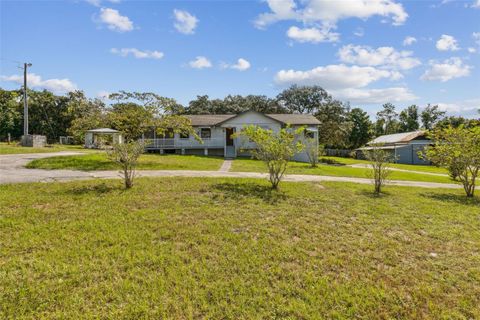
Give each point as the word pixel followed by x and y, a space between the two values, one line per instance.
pixel 274 148
pixel 126 156
pixel 380 169
pixel 458 150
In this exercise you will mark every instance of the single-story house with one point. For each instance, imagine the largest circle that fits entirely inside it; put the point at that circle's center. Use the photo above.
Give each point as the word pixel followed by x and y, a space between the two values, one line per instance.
pixel 404 147
pixel 216 132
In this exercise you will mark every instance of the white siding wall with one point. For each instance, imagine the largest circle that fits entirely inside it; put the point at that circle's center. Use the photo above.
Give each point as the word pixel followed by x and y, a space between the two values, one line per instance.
pixel 217 139
pixel 246 119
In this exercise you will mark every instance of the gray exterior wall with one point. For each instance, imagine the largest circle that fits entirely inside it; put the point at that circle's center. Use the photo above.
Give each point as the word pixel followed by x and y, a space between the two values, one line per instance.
pixel 408 154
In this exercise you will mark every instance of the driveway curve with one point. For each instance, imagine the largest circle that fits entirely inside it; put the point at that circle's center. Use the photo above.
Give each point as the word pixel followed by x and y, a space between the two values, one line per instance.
pixel 12 170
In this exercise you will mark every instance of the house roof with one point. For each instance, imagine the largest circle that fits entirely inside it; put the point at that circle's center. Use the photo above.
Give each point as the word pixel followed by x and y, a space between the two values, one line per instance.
pixel 398 137
pixel 208 119
pixel 215 119
pixel 103 130
pixel 294 119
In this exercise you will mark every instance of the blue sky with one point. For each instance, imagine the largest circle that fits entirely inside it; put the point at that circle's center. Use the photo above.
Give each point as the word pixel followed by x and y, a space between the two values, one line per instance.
pixel 367 52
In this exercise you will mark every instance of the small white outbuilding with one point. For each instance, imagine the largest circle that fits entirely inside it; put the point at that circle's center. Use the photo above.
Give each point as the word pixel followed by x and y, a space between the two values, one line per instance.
pixel 96 138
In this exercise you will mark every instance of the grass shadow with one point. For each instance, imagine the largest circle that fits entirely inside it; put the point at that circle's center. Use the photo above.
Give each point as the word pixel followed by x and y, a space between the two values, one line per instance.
pixel 94 190
pixel 238 191
pixel 372 195
pixel 453 198
pixel 332 162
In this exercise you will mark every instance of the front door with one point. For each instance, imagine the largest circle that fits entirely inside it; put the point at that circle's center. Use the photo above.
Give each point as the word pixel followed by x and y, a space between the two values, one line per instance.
pixel 228 136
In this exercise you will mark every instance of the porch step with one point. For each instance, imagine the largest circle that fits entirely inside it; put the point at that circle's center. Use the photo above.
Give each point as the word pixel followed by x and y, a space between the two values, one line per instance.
pixel 230 152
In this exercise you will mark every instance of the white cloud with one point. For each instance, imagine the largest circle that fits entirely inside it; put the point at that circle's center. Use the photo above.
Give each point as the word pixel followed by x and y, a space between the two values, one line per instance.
pixel 383 56
pixel 447 43
pixel 408 41
pixel 200 62
pixel 370 96
pixel 446 70
pixel 464 108
pixel 241 65
pixel 328 12
pixel 115 21
pixel 97 3
pixel 103 95
pixel 476 4
pixel 185 22
pixel 147 54
pixel 472 50
pixel 359 32
pixel 36 81
pixel 476 37
pixel 335 76
pixel 314 35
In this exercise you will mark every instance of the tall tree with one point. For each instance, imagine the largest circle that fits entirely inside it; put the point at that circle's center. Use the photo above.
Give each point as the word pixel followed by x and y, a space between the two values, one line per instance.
pixel 430 116
pixel 409 119
pixel 388 118
pixel 335 127
pixel 456 122
pixel 233 104
pixel 10 116
pixel 303 99
pixel 48 114
pixel 86 114
pixel 361 128
pixel 130 118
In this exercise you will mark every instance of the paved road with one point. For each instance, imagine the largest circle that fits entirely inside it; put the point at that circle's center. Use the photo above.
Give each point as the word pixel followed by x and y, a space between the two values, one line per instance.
pixel 12 171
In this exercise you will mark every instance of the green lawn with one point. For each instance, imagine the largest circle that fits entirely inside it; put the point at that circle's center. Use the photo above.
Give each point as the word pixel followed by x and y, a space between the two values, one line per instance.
pixel 181 248
pixel 99 161
pixel 251 165
pixel 14 148
pixel 424 168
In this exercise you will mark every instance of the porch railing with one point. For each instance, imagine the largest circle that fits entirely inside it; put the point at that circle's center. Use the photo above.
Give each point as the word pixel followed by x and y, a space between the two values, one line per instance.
pixel 183 143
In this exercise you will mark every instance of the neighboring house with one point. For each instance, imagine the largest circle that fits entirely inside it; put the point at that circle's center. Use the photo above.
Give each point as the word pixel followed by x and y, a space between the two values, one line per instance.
pixel 404 147
pixel 216 132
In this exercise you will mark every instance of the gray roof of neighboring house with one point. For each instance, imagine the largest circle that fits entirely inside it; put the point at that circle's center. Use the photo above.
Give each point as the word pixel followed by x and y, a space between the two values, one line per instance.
pixel 398 137
pixel 214 119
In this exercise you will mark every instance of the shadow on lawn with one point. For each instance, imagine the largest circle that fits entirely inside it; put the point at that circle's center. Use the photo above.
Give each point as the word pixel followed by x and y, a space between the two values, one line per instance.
pixel 456 198
pixel 95 189
pixel 372 195
pixel 251 190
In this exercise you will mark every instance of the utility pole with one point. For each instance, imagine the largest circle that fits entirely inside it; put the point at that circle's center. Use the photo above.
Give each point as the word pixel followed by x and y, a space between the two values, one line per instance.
pixel 25 102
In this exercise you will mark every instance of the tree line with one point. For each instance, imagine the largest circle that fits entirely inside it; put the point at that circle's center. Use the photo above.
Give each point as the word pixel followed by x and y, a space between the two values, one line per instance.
pixel 340 125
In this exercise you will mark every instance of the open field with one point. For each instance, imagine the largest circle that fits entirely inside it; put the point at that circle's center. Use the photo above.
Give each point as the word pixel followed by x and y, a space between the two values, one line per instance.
pixel 183 248
pixel 99 161
pixel 251 165
pixel 14 148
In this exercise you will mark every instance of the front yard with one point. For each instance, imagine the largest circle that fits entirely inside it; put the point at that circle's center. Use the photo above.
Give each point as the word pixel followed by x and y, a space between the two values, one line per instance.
pixel 341 169
pixel 99 161
pixel 183 248
pixel 14 148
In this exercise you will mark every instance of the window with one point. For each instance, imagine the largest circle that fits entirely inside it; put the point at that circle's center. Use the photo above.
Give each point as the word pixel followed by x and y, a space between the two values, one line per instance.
pixel 184 135
pixel 205 133
pixel 309 134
